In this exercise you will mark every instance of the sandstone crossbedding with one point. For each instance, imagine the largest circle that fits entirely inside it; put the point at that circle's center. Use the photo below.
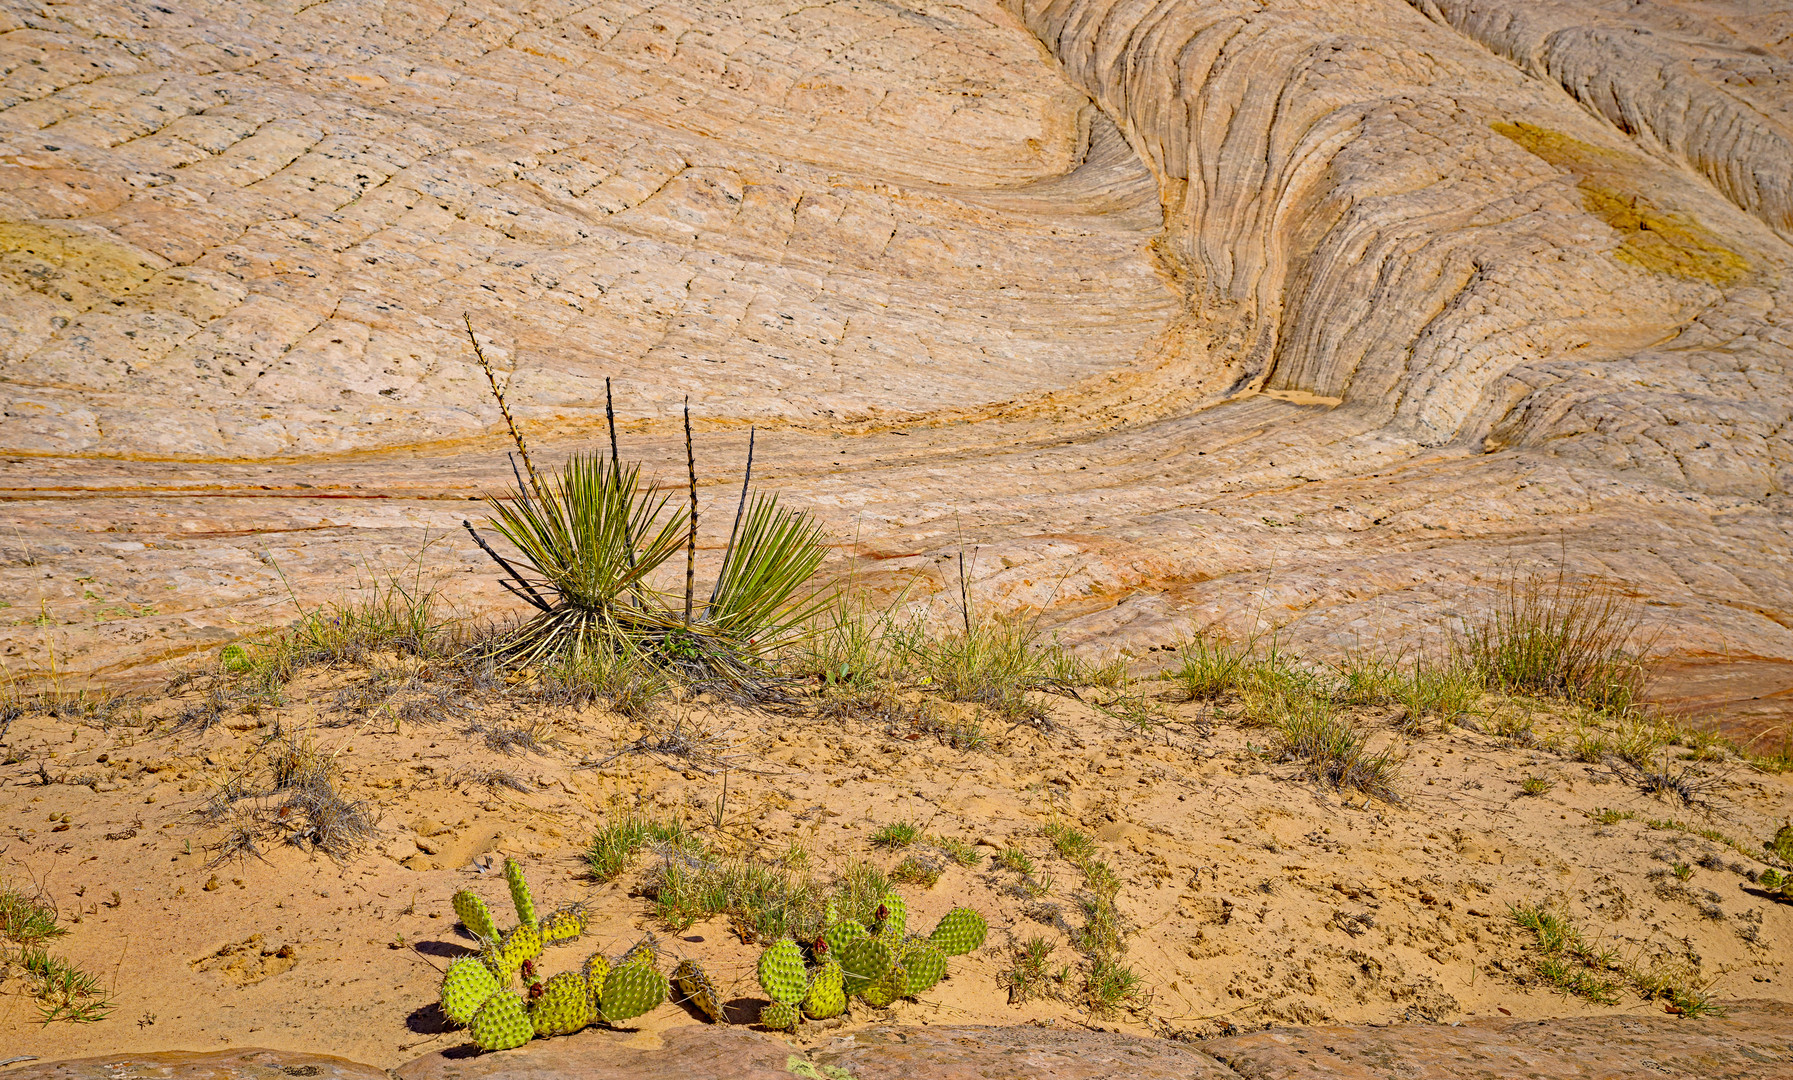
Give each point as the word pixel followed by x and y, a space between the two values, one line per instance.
pixel 1276 314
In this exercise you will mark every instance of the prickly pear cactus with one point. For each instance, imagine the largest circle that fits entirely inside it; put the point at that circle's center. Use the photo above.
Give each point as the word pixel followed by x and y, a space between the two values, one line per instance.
pixel 832 911
pixel 563 1007
pixel 887 989
pixel 863 962
pixel 959 931
pixel 840 933
pixel 596 970
pixel 781 972
pixel 475 916
pixel 892 920
pixel 780 1016
pixel 695 986
pixel 465 987
pixel 508 953
pixel 502 1023
pixel 520 897
pixel 645 953
pixel 563 924
pixel 923 966
pixel 826 998
pixel 630 990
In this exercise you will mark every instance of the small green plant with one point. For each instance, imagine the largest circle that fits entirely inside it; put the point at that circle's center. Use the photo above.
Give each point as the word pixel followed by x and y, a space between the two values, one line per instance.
pixel 1013 858
pixel 1208 669
pixel 960 852
pixel 62 990
pixel 1536 785
pixel 1330 749
pixel 615 844
pixel 916 871
pixel 897 834
pixel 1028 976
pixel 1610 816
pixel 1561 637
pixel 1070 844
pixel 1682 871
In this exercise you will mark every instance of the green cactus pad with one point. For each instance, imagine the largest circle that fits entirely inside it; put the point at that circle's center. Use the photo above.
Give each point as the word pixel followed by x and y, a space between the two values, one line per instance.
pixel 832 911
pixel 629 991
pixel 564 1007
pixel 695 986
pixel 826 998
pixel 465 987
pixel 840 933
pixel 892 920
pixel 502 1023
pixel 863 962
pixel 923 965
pixel 475 916
pixel 880 994
pixel 780 1016
pixel 507 954
pixel 513 873
pixel 781 972
pixel 645 953
pixel 564 924
pixel 959 931
pixel 596 969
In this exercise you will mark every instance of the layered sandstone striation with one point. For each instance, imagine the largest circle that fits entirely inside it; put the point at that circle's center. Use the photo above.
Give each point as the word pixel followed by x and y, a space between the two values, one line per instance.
pixel 1295 313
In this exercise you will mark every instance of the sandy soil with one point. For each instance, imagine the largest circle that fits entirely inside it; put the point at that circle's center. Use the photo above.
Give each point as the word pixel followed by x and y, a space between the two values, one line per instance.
pixel 1254 896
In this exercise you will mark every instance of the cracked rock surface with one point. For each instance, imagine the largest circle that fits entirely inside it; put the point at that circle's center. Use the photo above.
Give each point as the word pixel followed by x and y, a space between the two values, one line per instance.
pixel 1184 313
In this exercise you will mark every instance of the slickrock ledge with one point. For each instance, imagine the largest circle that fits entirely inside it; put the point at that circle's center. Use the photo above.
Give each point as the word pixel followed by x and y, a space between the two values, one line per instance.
pixel 1754 1041
pixel 1298 314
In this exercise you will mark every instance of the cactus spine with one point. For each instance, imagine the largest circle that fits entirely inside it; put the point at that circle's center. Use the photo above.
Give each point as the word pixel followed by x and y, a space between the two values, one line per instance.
pixel 502 1023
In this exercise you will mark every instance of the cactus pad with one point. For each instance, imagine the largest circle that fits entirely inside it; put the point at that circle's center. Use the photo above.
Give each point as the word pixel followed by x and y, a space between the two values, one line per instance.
pixel 923 966
pixel 596 970
pixel 502 1023
pixel 465 987
pixel 781 972
pixel 507 954
pixel 826 998
pixel 887 989
pixel 863 962
pixel 563 924
pixel 960 931
pixel 780 1016
pixel 630 990
pixel 695 986
pixel 563 1007
pixel 840 933
pixel 525 904
pixel 475 916
pixel 645 953
pixel 832 912
pixel 893 920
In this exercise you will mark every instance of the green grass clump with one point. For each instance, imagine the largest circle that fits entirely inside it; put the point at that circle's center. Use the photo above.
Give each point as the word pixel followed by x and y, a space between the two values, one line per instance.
pixel 763 901
pixel 1013 858
pixel 1028 976
pixel 916 871
pixel 1208 669
pixel 62 990
pixel 1330 749
pixel 616 843
pixel 897 834
pixel 1557 637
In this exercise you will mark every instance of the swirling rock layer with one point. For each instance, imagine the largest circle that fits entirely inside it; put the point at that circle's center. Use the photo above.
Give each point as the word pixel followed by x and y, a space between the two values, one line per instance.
pixel 1292 313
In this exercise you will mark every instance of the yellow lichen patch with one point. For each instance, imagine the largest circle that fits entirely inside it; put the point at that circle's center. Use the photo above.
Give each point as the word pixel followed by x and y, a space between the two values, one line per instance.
pixel 80 268
pixel 1658 240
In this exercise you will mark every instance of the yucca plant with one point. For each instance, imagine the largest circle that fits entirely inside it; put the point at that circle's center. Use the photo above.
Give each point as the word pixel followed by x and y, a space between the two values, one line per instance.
pixel 589 539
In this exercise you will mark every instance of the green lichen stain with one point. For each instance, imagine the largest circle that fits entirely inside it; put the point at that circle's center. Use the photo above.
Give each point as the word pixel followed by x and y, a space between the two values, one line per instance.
pixel 1661 241
pixel 79 268
pixel 796 1066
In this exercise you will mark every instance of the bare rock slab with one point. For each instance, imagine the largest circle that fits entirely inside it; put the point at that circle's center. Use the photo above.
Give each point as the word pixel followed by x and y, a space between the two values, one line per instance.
pixel 244 1064
pixel 727 1053
pixel 1753 1042
pixel 1011 1053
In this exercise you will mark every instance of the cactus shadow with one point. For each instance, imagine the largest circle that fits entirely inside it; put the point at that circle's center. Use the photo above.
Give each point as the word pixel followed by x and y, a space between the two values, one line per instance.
pixel 446 949
pixel 429 1020
pixel 741 1010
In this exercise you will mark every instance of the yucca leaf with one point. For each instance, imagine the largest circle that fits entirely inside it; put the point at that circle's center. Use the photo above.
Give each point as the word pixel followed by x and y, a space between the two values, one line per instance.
pixel 769 558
